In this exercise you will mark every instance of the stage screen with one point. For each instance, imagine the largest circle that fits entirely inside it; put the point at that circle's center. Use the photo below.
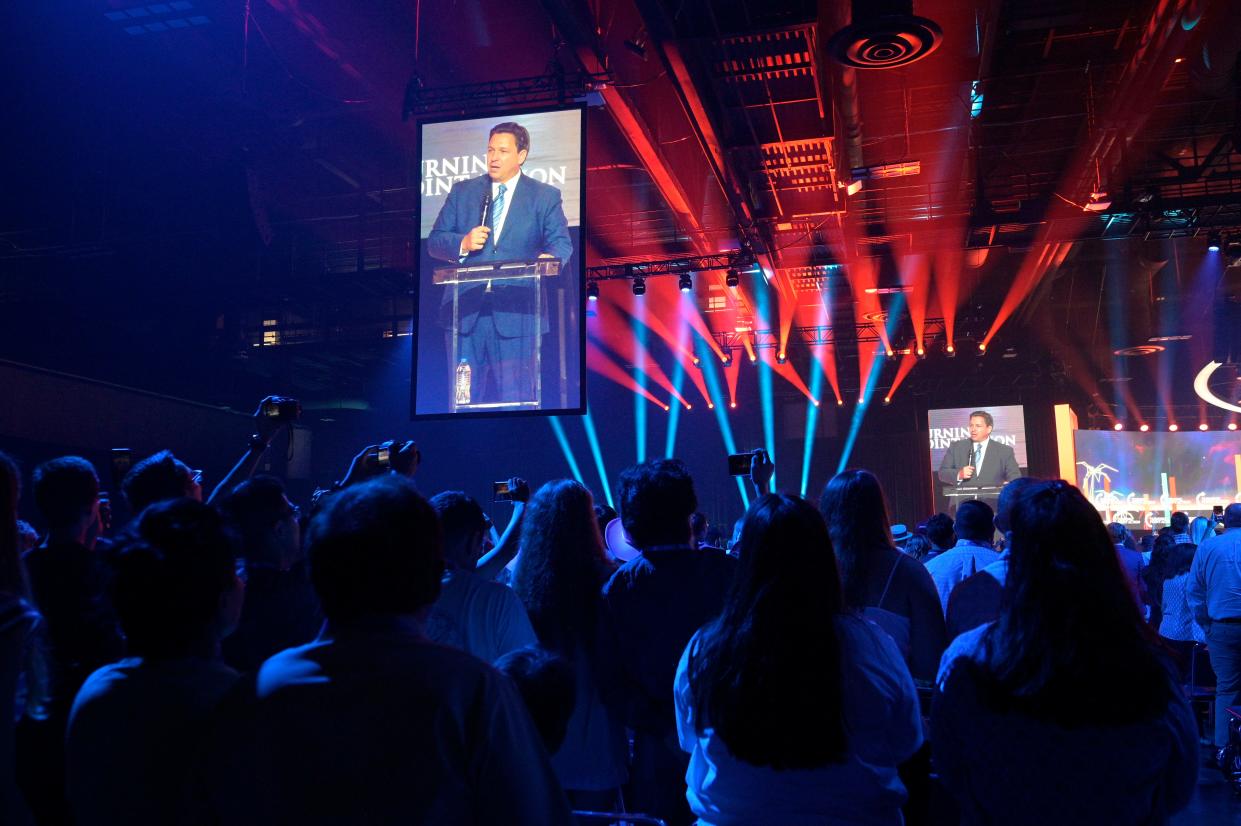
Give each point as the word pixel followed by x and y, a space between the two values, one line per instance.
pixel 1137 478
pixel 499 326
pixel 950 424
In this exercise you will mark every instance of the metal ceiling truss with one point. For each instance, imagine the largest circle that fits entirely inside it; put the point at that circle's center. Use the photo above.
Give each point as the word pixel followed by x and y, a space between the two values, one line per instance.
pixel 671 266
pixel 551 88
pixel 859 334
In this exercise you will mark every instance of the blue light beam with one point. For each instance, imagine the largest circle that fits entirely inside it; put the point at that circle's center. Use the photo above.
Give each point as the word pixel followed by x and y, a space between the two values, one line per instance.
pixel 558 429
pixel 588 423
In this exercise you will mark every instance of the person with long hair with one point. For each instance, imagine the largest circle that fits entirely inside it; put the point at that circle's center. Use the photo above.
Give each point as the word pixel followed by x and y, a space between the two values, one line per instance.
pixel 561 566
pixel 794 709
pixel 1065 680
pixel 21 674
pixel 889 588
pixel 1199 529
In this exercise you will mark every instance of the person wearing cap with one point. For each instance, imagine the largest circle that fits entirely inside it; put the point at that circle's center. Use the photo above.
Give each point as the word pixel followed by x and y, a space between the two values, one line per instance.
pixel 900 535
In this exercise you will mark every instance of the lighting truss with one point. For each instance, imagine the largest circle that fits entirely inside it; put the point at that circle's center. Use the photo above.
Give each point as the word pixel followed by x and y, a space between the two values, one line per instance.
pixel 671 266
pixel 553 87
pixel 861 333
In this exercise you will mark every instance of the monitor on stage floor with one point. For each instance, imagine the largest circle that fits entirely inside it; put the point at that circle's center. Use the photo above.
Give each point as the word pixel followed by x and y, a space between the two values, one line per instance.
pixel 1138 478
pixel 499 327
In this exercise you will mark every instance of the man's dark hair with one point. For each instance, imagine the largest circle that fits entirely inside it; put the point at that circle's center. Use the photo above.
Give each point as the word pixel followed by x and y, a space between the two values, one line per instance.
pixel 1179 522
pixel 170 572
pixel 154 479
pixel 1232 515
pixel 254 509
pixel 548 686
pixel 975 521
pixel 376 549
pixel 1008 496
pixel 460 518
pixel 985 416
pixel 939 531
pixel 657 499
pixel 519 133
pixel 65 489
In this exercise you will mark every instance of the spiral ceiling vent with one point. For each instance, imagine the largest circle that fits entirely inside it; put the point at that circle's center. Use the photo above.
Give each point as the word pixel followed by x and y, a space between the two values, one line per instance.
pixel 884 35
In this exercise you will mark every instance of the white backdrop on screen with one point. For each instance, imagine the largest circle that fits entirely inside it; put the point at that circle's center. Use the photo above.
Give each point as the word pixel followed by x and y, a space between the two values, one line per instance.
pixel 950 424
pixel 456 151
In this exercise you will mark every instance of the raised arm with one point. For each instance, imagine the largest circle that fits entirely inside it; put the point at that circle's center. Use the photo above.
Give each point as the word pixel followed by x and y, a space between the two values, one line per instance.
pixel 491 563
pixel 265 429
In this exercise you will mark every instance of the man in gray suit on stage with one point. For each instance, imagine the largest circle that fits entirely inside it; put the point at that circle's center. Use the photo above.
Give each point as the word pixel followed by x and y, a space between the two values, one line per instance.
pixel 978 461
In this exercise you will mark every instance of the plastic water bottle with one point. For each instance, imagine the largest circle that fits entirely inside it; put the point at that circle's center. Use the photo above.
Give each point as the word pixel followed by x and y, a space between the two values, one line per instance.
pixel 463 382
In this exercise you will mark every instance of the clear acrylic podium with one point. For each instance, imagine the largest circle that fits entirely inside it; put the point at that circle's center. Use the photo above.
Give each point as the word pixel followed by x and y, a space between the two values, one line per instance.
pixel 532 272
pixel 956 494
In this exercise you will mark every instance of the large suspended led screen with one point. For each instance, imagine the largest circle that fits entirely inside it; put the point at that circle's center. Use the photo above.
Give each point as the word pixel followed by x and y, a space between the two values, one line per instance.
pixel 499 325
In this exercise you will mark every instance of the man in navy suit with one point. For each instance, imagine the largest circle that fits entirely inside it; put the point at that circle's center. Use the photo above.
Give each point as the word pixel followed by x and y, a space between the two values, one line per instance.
pixel 501 216
pixel 978 460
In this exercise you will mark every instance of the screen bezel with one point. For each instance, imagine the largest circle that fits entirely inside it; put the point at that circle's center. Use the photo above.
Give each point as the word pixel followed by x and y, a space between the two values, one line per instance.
pixel 502 113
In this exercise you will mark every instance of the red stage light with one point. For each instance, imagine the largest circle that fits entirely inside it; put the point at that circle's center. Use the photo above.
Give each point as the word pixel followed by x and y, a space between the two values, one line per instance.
pixel 1173 428
pixel 710 406
pixel 1144 427
pixel 1204 426
pixel 982 348
pixel 689 407
pixel 887 399
pixel 732 404
pixel 1118 426
pixel 840 402
pixel 951 349
pixel 1232 425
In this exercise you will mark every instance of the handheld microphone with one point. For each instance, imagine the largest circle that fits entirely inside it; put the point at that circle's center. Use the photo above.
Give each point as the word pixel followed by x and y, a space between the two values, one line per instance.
pixel 486 208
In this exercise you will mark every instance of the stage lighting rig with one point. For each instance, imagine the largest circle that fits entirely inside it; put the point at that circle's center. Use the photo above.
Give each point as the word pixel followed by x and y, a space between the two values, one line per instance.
pixel 733 278
pixel 592 290
pixel 685 283
pixel 639 285
pixel 1215 242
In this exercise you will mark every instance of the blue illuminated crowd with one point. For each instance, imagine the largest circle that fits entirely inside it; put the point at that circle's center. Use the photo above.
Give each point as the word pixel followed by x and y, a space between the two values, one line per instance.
pixel 385 657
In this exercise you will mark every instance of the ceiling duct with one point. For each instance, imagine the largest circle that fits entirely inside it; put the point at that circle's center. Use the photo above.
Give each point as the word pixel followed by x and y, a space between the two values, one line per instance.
pixel 884 34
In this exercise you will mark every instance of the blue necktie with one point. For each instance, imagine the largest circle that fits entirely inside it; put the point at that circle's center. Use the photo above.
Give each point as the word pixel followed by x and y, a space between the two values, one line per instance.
pixel 977 458
pixel 497 209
